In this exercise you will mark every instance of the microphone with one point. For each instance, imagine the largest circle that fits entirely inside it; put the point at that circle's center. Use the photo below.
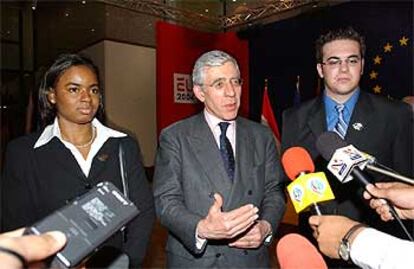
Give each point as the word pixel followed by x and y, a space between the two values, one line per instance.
pixel 346 162
pixel 296 252
pixel 307 188
pixel 343 158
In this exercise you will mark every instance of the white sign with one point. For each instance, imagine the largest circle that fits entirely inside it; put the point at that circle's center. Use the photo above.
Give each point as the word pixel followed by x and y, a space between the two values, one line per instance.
pixel 183 89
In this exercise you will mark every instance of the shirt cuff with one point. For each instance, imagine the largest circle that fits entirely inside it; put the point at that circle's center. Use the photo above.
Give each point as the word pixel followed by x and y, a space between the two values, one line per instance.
pixel 199 241
pixel 268 239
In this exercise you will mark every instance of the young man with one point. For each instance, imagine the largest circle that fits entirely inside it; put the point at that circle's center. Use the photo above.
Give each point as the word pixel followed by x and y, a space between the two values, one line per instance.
pixel 217 181
pixel 371 123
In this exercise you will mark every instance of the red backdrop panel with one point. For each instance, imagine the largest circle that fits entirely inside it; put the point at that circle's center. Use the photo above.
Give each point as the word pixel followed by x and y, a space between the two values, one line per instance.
pixel 177 50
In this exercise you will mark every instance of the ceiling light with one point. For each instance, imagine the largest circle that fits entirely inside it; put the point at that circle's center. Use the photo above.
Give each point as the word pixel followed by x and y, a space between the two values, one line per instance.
pixel 34 4
pixel 83 2
pixel 206 10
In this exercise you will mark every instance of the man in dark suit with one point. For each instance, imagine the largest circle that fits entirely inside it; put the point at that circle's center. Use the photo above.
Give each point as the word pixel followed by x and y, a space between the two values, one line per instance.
pixel 217 181
pixel 371 123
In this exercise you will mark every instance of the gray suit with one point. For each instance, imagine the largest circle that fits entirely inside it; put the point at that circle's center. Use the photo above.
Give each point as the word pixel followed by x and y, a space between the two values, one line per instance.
pixel 189 170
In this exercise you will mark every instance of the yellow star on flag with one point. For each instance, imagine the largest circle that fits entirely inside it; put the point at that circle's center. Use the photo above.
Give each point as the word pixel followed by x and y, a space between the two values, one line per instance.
pixel 404 41
pixel 373 75
pixel 377 89
pixel 377 59
pixel 387 47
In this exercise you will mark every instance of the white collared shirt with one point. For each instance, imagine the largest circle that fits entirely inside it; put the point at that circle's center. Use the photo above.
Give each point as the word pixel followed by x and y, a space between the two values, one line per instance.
pixel 103 133
pixel 213 123
pixel 372 249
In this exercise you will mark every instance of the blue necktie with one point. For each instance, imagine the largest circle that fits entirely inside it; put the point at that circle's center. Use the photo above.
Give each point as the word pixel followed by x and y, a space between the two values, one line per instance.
pixel 226 150
pixel 341 126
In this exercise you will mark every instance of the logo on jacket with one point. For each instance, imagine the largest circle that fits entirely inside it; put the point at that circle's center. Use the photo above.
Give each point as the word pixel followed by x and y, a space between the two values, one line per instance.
pixel 357 126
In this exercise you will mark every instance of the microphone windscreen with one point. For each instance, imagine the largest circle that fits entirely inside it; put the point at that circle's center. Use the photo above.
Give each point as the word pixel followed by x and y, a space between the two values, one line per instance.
pixel 296 252
pixel 296 160
pixel 328 142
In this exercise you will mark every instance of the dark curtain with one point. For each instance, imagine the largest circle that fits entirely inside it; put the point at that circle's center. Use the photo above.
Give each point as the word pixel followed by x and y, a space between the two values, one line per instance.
pixel 282 51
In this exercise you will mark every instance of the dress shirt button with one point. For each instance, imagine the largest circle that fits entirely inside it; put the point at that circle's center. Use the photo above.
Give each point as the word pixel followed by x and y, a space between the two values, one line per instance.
pixel 88 186
pixel 218 255
pixel 250 192
pixel 245 252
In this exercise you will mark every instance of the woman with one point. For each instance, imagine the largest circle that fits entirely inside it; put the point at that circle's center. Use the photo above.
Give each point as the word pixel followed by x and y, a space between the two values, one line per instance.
pixel 45 170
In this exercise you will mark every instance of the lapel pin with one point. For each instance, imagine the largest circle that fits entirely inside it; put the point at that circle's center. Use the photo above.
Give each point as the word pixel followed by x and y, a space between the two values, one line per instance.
pixel 103 157
pixel 358 126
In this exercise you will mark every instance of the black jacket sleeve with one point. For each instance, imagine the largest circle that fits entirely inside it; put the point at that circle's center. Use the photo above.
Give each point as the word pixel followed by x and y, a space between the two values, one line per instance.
pixel 139 229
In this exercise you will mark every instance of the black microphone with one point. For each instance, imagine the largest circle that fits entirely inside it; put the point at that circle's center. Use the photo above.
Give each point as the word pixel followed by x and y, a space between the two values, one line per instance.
pixel 345 161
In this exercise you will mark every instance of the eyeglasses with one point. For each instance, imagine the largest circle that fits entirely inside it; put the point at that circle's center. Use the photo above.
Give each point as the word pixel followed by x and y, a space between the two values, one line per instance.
pixel 221 83
pixel 334 62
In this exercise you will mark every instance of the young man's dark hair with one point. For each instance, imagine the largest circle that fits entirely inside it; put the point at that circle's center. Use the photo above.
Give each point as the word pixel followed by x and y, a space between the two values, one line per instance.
pixel 338 34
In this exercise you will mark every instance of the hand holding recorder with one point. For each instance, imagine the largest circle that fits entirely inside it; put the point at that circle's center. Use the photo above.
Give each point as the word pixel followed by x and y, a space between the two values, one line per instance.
pixel 18 251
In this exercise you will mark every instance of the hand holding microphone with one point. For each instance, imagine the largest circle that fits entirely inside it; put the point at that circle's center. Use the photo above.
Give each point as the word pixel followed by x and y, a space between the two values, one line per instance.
pixel 399 194
pixel 329 231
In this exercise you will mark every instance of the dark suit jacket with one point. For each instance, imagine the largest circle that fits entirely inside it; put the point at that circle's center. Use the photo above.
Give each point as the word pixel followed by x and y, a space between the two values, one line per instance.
pixel 386 134
pixel 38 181
pixel 189 170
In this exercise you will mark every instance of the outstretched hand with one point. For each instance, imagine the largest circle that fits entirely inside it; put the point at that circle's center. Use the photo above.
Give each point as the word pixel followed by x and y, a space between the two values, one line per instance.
pixel 225 225
pixel 254 236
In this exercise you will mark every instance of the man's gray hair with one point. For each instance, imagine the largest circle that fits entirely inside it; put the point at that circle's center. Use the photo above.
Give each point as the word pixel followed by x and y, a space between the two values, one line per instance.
pixel 209 59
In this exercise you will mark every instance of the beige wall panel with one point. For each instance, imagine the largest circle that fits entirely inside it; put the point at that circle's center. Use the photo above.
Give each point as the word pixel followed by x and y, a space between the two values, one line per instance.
pixel 130 93
pixel 128 74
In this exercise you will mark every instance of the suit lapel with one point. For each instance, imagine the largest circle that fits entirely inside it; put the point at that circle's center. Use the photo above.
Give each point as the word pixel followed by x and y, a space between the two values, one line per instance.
pixel 208 155
pixel 107 152
pixel 360 119
pixel 63 157
pixel 317 119
pixel 244 160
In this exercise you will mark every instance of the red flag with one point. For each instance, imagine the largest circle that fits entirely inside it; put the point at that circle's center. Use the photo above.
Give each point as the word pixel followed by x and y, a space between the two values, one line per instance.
pixel 268 118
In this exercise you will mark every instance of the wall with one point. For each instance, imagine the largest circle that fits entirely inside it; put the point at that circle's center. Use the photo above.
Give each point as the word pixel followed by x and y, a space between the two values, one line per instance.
pixel 129 81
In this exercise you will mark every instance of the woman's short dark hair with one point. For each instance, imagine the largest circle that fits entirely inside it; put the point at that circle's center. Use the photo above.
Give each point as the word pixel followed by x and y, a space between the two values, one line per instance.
pixel 51 77
pixel 338 34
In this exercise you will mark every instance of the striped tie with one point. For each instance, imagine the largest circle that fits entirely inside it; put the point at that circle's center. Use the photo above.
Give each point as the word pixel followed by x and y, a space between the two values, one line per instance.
pixel 226 150
pixel 341 126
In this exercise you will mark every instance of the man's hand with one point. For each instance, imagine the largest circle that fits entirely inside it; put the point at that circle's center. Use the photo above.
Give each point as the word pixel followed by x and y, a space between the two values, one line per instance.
pixel 254 236
pixel 225 225
pixel 399 194
pixel 32 248
pixel 329 231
